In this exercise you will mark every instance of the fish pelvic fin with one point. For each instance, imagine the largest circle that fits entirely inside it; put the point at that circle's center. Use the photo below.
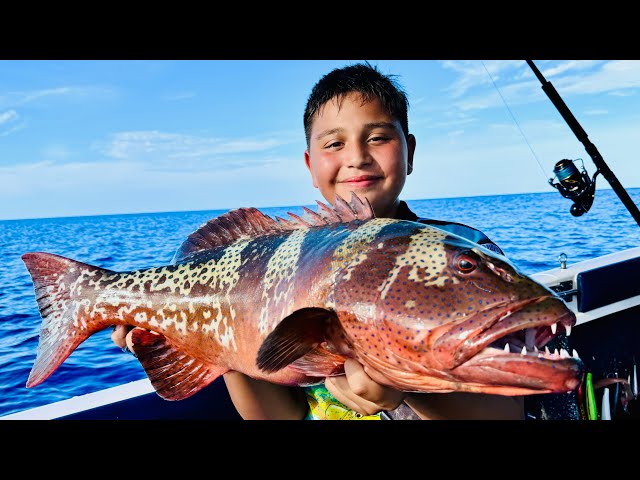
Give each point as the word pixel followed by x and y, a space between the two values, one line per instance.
pixel 243 223
pixel 53 279
pixel 174 374
pixel 300 334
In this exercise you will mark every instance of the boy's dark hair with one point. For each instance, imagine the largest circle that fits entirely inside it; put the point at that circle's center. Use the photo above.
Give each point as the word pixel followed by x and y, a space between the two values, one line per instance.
pixel 365 79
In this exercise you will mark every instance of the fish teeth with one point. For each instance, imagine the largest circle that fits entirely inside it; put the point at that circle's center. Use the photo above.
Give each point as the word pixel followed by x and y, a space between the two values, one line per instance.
pixel 562 353
pixel 568 329
pixel 506 348
pixel 554 328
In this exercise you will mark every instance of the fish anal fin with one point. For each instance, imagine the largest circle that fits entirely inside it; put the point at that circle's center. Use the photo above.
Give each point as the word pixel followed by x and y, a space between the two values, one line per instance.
pixel 295 336
pixel 173 374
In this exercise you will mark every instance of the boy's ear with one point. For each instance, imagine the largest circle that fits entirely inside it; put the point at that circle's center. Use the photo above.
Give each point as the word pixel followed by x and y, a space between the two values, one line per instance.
pixel 411 148
pixel 307 162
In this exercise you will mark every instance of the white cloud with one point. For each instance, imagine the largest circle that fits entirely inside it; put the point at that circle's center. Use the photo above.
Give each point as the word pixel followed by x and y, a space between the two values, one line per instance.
pixel 473 73
pixel 8 116
pixel 596 112
pixel 35 95
pixel 617 77
pixel 47 189
pixel 7 119
pixel 174 97
pixel 56 152
pixel 162 149
pixel 17 98
pixel 572 65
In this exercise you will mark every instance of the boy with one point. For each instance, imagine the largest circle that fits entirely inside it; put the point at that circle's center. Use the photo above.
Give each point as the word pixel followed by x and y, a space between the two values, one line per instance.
pixel 358 140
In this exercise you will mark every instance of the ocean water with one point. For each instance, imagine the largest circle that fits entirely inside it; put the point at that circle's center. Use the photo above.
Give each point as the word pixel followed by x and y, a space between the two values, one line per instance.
pixel 532 229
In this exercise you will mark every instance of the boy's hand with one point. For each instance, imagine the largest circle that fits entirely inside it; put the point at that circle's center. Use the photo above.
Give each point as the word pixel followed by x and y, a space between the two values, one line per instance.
pixel 121 336
pixel 357 389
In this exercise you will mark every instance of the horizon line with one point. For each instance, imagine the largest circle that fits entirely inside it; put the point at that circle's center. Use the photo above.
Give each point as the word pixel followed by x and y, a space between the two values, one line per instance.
pixel 298 206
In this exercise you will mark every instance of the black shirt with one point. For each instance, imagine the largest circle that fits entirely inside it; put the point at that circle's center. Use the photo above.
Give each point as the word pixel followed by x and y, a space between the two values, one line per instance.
pixel 405 213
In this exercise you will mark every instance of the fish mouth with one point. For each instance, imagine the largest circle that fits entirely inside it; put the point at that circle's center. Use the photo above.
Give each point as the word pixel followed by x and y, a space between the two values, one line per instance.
pixel 528 339
pixel 508 348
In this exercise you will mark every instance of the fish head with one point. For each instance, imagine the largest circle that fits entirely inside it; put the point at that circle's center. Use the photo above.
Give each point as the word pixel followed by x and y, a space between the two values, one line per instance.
pixel 436 312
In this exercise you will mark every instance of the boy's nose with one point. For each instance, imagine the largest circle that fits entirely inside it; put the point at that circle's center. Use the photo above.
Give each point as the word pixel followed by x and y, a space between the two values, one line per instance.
pixel 357 156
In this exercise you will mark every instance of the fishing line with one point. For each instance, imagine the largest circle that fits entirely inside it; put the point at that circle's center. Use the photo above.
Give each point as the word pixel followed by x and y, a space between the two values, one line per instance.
pixel 515 121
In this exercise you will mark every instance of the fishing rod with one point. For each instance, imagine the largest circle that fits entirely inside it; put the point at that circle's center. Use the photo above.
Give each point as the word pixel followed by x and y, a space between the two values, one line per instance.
pixel 573 184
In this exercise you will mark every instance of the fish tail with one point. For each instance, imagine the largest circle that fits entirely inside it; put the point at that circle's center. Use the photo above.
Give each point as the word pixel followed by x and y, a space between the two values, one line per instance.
pixel 53 278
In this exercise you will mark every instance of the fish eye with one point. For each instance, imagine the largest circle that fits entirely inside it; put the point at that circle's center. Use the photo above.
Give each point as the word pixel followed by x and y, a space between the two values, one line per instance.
pixel 465 263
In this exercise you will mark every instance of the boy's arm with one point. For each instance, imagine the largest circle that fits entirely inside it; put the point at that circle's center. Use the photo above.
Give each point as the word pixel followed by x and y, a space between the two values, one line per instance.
pixel 465 406
pixel 261 400
pixel 362 389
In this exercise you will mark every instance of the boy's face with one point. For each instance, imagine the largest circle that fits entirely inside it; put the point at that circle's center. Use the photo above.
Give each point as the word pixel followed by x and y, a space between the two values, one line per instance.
pixel 359 148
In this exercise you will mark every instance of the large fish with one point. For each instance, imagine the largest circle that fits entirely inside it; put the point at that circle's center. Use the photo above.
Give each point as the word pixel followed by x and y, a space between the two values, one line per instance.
pixel 289 300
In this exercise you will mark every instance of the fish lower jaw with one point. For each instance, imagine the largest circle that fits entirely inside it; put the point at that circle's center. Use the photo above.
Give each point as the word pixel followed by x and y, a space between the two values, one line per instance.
pixel 528 372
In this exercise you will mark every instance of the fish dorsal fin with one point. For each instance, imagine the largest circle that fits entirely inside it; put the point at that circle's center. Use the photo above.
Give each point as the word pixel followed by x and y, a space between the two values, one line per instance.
pixel 244 223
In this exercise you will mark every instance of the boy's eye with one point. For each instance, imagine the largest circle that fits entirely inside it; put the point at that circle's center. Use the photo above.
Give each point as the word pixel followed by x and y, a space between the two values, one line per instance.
pixel 334 145
pixel 378 138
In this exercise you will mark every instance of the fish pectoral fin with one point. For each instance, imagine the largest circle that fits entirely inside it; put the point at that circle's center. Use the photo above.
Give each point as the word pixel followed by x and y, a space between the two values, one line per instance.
pixel 173 374
pixel 320 363
pixel 295 336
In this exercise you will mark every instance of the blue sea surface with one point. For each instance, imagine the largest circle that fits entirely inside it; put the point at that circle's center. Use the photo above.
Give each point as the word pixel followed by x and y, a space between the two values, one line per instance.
pixel 532 229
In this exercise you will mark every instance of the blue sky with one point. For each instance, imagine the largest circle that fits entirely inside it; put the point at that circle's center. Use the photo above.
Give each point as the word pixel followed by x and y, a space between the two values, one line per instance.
pixel 107 136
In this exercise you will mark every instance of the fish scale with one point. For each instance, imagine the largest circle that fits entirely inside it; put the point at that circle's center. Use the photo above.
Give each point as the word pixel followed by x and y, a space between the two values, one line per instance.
pixel 289 301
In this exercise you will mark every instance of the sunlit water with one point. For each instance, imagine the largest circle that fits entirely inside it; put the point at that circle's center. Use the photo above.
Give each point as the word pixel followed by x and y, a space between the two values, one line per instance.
pixel 532 229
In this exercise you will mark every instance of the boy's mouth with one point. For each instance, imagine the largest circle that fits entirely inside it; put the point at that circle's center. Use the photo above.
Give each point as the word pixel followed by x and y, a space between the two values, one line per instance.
pixel 361 181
